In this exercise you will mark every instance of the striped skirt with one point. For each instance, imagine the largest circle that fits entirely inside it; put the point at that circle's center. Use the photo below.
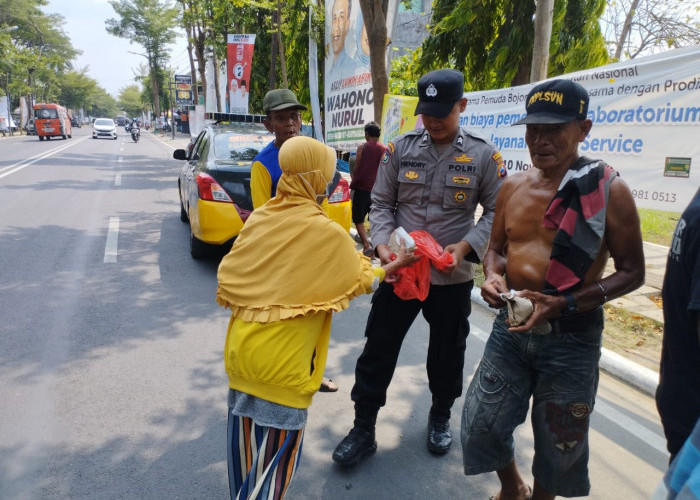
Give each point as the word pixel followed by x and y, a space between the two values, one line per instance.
pixel 261 460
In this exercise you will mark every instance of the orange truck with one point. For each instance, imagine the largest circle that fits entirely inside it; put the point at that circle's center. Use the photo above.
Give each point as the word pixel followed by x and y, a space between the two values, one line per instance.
pixel 52 120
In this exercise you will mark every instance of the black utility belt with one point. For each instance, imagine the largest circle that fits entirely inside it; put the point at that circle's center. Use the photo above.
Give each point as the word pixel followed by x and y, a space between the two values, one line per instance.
pixel 576 321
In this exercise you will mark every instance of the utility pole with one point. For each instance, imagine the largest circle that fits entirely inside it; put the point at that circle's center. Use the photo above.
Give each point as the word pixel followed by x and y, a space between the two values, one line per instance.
pixel 9 105
pixel 172 109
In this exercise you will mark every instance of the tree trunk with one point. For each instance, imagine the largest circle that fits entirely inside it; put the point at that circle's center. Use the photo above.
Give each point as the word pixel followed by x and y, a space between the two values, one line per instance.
pixel 273 55
pixel 155 89
pixel 626 27
pixel 543 35
pixel 283 60
pixel 374 14
pixel 193 73
pixel 201 63
pixel 217 91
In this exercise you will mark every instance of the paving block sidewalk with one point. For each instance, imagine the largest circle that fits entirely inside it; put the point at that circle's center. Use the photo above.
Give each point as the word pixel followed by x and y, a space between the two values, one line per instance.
pixel 641 301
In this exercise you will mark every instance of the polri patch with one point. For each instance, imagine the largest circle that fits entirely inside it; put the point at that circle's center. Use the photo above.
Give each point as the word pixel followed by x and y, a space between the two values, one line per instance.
pixel 500 164
pixel 387 153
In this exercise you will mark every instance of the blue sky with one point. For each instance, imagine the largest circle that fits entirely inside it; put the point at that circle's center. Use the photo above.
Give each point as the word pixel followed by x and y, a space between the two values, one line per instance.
pixel 109 59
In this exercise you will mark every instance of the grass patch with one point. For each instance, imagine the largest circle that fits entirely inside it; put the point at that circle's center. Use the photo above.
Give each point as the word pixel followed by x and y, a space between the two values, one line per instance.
pixel 657 225
pixel 633 336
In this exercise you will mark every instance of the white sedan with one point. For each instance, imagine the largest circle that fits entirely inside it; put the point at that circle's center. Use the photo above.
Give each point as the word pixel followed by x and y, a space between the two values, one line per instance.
pixel 104 127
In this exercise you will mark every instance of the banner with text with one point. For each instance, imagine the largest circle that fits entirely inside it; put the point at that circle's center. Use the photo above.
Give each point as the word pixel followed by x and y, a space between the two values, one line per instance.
pixel 239 60
pixel 646 124
pixel 349 99
pixel 183 90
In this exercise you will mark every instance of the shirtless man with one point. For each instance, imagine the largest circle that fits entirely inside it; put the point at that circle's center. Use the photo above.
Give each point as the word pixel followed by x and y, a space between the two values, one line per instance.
pixel 555 226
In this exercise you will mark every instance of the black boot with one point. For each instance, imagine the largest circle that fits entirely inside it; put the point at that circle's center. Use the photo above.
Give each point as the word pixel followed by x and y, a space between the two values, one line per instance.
pixel 439 434
pixel 360 442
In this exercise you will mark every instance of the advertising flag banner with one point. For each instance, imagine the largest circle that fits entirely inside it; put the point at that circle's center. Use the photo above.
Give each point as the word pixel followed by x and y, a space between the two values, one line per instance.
pixel 313 81
pixel 183 90
pixel 349 99
pixel 646 124
pixel 239 60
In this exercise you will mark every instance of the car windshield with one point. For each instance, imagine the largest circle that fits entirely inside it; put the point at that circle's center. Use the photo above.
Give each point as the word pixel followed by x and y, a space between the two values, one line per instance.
pixel 104 121
pixel 238 146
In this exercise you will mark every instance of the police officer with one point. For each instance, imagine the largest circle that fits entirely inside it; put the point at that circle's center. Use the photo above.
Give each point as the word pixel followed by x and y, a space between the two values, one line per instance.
pixel 430 179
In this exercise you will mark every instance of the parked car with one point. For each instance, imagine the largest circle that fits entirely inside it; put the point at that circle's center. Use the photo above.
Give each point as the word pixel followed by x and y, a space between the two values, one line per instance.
pixel 214 184
pixel 75 122
pixel 29 128
pixel 104 127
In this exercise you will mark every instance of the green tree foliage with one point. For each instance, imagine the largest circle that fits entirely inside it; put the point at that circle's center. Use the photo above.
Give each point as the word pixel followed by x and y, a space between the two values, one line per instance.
pixel 490 41
pixel 208 22
pixel 150 24
pixel 130 100
pixel 76 89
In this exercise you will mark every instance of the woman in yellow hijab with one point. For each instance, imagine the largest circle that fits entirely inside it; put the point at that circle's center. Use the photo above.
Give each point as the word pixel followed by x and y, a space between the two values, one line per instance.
pixel 290 268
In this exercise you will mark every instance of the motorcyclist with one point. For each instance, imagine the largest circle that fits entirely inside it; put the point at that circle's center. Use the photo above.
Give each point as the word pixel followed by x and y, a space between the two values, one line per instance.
pixel 135 130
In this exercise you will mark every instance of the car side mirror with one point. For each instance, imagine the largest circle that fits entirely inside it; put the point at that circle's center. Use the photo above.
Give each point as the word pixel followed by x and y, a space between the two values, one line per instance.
pixel 180 154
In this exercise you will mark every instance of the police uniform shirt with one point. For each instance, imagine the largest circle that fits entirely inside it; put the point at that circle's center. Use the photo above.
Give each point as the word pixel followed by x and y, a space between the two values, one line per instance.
pixel 419 188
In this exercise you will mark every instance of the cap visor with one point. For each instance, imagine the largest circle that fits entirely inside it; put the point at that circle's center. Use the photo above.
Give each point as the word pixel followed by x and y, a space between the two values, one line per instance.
pixel 544 119
pixel 282 107
pixel 436 109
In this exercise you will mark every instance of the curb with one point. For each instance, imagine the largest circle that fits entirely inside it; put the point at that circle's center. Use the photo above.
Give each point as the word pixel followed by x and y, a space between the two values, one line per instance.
pixel 637 376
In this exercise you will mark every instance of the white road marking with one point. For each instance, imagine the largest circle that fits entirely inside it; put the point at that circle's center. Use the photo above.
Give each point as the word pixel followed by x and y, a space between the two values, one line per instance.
pixel 112 241
pixel 118 180
pixel 11 169
pixel 630 425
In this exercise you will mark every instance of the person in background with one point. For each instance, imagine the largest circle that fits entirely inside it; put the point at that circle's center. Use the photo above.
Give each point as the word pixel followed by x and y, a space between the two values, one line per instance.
pixel 678 393
pixel 284 120
pixel 554 229
pixel 367 159
pixel 429 179
pixel 283 282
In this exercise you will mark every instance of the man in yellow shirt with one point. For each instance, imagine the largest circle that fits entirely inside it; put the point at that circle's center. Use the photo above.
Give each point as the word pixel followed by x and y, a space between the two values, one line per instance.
pixel 283 120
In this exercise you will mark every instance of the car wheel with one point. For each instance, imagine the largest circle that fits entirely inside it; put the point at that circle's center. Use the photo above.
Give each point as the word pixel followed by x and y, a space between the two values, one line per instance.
pixel 183 213
pixel 198 249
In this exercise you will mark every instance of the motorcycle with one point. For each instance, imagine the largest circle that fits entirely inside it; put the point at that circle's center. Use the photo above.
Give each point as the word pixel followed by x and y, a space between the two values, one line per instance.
pixel 135 133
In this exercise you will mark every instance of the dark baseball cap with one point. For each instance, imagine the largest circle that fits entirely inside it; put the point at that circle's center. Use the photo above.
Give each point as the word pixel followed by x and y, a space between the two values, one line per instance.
pixel 438 91
pixel 280 99
pixel 555 101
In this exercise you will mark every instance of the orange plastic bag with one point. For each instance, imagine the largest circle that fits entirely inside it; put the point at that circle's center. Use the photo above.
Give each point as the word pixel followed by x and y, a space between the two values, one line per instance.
pixel 414 280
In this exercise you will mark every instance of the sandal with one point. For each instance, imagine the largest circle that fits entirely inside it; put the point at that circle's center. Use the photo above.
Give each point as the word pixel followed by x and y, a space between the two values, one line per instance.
pixel 368 252
pixel 327 385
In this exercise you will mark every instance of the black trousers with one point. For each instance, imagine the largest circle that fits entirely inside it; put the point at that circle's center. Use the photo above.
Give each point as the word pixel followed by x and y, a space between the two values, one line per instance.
pixel 446 309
